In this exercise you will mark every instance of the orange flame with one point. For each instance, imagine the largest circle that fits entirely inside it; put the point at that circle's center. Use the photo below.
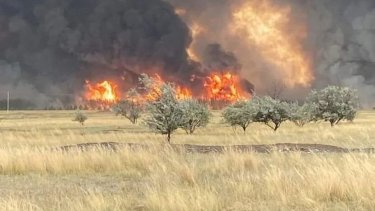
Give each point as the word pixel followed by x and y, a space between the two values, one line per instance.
pixel 182 93
pixel 223 87
pixel 104 92
pixel 217 87
pixel 266 26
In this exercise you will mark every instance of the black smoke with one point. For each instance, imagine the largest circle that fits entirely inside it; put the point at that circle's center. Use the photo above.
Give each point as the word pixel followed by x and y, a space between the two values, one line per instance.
pixel 217 59
pixel 342 33
pixel 49 47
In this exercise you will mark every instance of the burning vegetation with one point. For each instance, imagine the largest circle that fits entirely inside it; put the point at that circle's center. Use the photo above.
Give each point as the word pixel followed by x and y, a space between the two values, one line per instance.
pixel 105 91
pixel 224 87
pixel 101 95
pixel 217 87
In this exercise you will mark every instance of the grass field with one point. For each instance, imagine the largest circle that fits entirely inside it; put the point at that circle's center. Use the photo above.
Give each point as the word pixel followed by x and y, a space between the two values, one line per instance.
pixel 33 177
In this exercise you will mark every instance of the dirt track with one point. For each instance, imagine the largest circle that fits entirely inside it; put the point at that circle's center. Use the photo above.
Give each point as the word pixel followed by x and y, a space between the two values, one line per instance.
pixel 282 147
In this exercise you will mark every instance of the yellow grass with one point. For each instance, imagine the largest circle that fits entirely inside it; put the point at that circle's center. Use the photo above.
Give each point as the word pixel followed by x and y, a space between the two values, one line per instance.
pixel 34 177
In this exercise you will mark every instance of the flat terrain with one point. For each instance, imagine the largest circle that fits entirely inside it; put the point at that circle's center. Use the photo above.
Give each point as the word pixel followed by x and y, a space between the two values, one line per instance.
pixel 34 177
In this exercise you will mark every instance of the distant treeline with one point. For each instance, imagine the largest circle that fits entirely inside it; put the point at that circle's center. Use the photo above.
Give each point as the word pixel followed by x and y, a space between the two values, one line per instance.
pixel 20 104
pixel 17 104
pixel 68 107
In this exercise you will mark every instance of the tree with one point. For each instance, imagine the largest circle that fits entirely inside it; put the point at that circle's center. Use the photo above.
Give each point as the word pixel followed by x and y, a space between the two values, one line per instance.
pixel 165 113
pixel 334 104
pixel 129 108
pixel 80 117
pixel 150 86
pixel 239 114
pixel 195 115
pixel 301 115
pixel 271 112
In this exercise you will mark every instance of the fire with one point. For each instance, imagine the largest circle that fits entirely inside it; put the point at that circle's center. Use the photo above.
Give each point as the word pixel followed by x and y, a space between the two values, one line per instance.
pixel 223 87
pixel 182 93
pixel 103 92
pixel 265 26
pixel 217 87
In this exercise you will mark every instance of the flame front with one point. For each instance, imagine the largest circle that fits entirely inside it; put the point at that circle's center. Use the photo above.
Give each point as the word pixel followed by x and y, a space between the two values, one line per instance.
pixel 103 92
pixel 266 26
pixel 182 93
pixel 223 87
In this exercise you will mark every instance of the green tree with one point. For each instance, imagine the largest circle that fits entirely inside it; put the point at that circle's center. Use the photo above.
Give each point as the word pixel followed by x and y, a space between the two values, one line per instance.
pixel 301 115
pixel 195 115
pixel 129 108
pixel 271 112
pixel 334 104
pixel 165 114
pixel 239 114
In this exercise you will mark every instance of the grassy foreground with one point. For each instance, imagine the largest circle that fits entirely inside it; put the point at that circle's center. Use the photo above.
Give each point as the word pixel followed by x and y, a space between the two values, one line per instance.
pixel 32 177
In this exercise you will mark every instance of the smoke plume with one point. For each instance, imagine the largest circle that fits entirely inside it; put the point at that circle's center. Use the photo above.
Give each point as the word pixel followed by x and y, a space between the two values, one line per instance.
pixel 339 41
pixel 48 48
pixel 215 58
pixel 343 35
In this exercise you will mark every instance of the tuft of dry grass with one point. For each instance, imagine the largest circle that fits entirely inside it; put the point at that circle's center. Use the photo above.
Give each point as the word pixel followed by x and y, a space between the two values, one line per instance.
pixel 34 177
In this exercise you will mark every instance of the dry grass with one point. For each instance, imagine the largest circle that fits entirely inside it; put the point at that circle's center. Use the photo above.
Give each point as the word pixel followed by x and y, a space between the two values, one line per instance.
pixel 32 177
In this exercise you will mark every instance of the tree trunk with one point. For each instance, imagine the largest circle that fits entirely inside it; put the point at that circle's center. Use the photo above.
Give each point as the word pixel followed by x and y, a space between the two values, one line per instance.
pixel 276 127
pixel 192 129
pixel 169 137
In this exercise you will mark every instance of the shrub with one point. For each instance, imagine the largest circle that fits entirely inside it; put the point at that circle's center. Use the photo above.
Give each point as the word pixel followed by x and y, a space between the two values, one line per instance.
pixel 129 108
pixel 239 114
pixel 80 117
pixel 301 115
pixel 165 113
pixel 271 112
pixel 195 115
pixel 334 104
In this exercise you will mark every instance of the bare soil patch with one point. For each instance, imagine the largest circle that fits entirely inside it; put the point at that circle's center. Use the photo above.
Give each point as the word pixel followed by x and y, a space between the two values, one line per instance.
pixel 266 148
